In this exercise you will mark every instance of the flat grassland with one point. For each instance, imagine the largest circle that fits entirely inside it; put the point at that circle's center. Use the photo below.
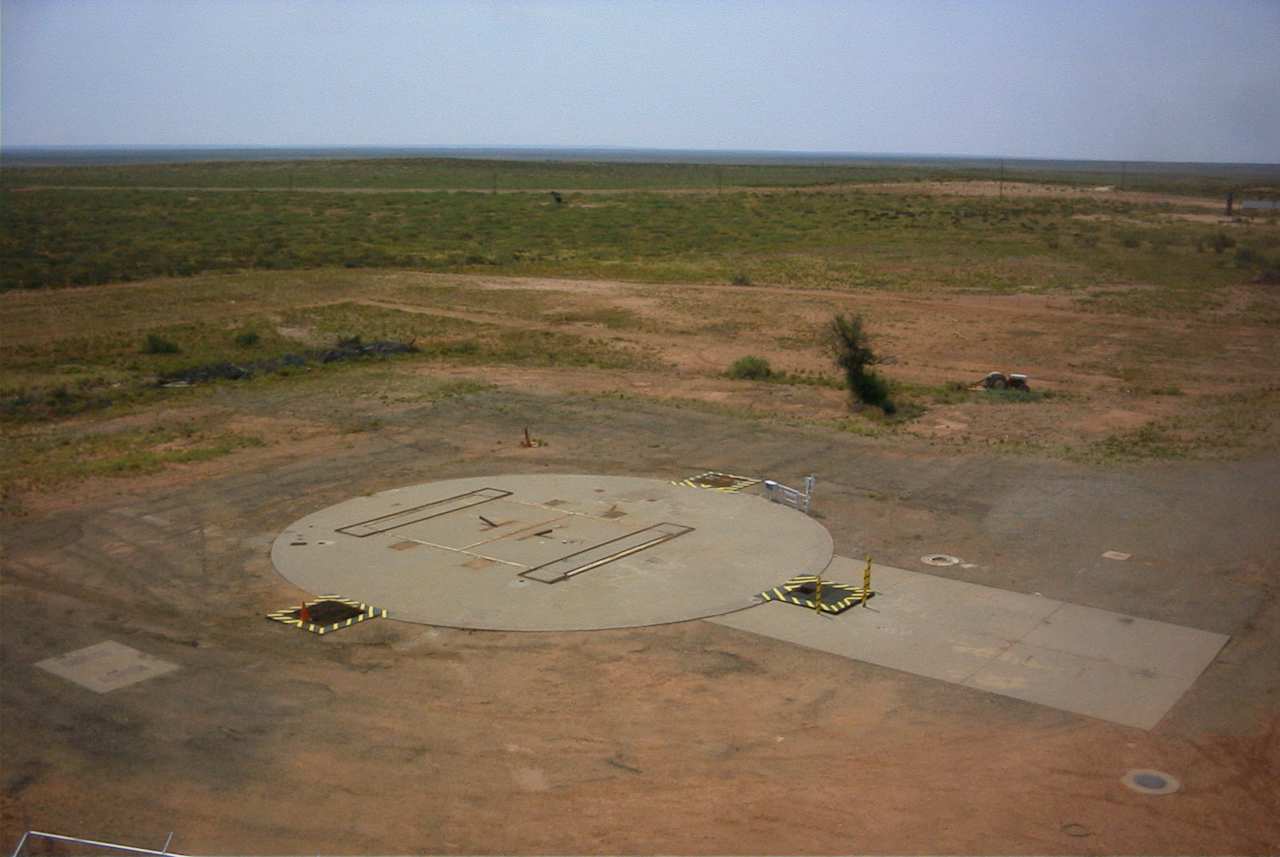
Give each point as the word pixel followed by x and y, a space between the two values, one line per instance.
pixel 1147 322
pixel 168 402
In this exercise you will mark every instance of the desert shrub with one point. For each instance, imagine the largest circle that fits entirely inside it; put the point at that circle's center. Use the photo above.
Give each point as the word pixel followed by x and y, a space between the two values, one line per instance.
pixel 850 348
pixel 873 389
pixel 1247 257
pixel 740 279
pixel 157 344
pixel 247 338
pixel 751 368
pixel 1221 241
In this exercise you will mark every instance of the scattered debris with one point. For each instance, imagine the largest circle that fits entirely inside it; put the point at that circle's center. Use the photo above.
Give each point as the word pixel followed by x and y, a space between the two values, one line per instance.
pixel 530 442
pixel 941 560
pixel 346 349
pixel 1117 555
pixel 623 766
pixel 350 349
pixel 486 520
pixel 1001 381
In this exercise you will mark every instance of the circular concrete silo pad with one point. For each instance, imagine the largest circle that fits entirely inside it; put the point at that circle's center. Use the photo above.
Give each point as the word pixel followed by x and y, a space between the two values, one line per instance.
pixel 551 552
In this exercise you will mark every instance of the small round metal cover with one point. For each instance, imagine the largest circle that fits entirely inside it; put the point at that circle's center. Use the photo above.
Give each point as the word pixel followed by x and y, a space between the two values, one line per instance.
pixel 940 559
pixel 1149 782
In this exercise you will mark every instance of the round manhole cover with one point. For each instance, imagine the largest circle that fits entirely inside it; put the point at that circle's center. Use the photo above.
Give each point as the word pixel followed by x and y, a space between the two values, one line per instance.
pixel 940 559
pixel 1150 782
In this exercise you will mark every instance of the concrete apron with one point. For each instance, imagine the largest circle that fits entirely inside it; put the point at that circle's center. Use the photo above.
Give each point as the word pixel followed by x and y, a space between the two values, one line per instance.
pixel 1080 659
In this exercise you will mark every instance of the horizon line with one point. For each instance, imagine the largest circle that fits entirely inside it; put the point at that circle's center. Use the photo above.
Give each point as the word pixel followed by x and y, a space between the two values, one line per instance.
pixel 811 153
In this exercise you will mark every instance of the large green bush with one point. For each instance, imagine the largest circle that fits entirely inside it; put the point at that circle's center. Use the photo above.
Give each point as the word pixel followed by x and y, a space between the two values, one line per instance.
pixel 850 348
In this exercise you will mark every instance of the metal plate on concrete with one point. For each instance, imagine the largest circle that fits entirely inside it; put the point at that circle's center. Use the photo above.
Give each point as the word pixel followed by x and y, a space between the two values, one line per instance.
pixel 481 524
pixel 106 666
pixel 1080 659
pixel 603 553
pixel 426 511
pixel 459 571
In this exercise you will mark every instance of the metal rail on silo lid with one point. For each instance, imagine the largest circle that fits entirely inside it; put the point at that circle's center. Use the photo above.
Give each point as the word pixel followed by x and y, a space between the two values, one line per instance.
pixel 793 497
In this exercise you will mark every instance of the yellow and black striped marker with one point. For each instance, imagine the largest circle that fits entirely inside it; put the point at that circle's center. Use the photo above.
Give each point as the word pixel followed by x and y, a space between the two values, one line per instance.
pixel 826 597
pixel 714 480
pixel 344 613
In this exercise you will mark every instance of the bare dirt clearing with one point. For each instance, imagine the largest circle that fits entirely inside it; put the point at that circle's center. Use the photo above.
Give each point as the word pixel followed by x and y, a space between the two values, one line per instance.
pixel 688 738
pixel 1031 189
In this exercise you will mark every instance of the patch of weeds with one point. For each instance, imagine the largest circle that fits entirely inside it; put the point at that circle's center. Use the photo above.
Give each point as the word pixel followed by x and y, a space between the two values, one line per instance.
pixel 740 279
pixel 950 393
pixel 1153 441
pixel 460 387
pixel 546 348
pixel 41 459
pixel 808 378
pixel 1221 242
pixel 55 403
pixel 614 318
pixel 857 425
pixel 362 425
pixel 157 344
pixel 751 368
pixel 904 411
pixel 1010 396
pixel 248 338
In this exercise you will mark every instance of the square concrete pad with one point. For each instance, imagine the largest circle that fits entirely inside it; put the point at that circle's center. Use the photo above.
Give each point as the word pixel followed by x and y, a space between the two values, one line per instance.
pixel 106 666
pixel 1079 659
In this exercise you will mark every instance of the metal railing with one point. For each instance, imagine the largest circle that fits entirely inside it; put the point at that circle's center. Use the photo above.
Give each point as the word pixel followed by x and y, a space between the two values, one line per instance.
pixel 76 840
pixel 793 497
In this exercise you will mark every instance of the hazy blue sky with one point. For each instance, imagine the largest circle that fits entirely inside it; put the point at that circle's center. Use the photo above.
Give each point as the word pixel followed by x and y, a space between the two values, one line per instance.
pixel 1162 80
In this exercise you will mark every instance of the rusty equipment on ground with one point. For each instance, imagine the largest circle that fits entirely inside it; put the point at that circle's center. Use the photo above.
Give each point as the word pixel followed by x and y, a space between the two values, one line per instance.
pixel 1001 381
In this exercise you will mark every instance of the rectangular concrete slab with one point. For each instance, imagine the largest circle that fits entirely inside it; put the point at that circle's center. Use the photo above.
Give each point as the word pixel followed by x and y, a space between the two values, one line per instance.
pixel 106 666
pixel 1098 688
pixel 1140 644
pixel 1119 668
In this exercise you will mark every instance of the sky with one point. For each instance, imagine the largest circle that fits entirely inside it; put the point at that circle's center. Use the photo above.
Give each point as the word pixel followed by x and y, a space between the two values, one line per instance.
pixel 1129 80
